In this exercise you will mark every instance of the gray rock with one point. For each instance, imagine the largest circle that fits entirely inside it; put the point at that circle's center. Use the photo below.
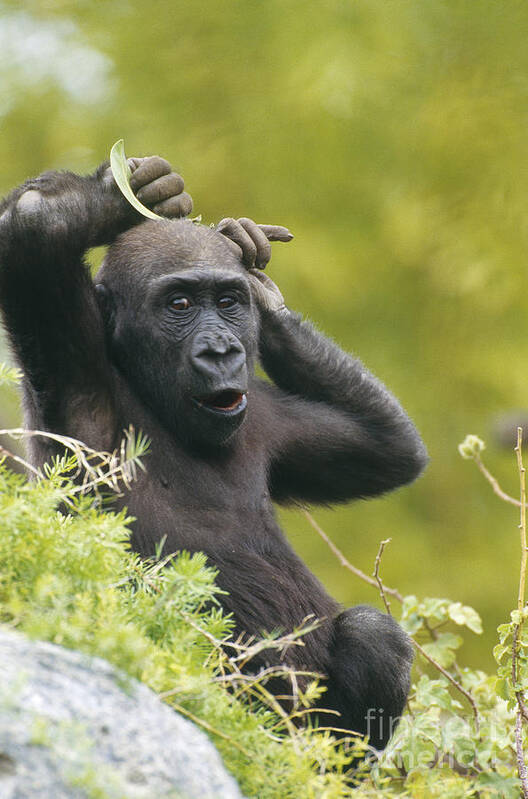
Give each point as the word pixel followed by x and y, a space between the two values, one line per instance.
pixel 72 728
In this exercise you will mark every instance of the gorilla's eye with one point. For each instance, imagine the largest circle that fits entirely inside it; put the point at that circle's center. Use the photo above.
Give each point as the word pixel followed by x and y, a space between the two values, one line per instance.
pixel 226 302
pixel 180 304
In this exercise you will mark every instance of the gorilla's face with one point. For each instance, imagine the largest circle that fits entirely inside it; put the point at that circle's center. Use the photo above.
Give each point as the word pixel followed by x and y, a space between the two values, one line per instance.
pixel 202 324
pixel 182 327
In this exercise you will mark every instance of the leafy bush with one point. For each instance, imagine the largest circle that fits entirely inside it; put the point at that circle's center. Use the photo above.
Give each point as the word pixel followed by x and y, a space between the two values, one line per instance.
pixel 72 579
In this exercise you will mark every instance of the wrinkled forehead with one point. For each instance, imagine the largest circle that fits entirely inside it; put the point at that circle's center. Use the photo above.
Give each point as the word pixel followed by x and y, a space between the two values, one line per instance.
pixel 153 249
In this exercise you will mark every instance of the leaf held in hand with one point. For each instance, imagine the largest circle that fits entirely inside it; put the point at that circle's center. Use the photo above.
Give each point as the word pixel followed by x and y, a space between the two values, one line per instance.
pixel 121 172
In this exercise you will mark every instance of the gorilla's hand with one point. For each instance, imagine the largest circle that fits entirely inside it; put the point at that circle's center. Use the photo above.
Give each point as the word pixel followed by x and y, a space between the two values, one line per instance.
pixel 252 241
pixel 157 187
pixel 266 293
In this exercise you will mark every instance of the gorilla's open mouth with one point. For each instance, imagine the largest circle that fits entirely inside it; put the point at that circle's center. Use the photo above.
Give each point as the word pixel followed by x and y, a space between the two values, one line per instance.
pixel 225 402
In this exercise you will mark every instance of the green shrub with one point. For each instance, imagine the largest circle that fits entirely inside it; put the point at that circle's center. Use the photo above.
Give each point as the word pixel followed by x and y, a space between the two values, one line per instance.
pixel 71 578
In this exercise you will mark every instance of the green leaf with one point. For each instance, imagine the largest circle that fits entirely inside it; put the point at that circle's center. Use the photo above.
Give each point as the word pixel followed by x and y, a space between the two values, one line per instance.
pixel 463 614
pixel 121 172
pixel 501 687
pixel 458 737
pixel 9 375
pixel 433 692
pixel 442 650
pixel 501 785
pixel 505 631
pixel 434 608
pixel 499 651
pixel 410 620
pixel 421 740
pixel 412 623
pixel 410 604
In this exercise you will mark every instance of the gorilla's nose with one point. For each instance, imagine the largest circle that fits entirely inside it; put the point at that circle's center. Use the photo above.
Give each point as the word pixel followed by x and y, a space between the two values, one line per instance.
pixel 218 354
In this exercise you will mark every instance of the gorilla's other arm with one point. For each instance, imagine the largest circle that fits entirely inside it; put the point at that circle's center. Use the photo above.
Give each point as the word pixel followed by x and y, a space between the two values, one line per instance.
pixel 48 300
pixel 337 433
pixel 340 433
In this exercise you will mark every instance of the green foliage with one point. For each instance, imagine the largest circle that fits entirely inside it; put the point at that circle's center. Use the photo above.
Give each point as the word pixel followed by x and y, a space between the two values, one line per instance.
pixel 8 375
pixel 121 172
pixel 471 447
pixel 73 580
pixel 445 745
pixel 513 637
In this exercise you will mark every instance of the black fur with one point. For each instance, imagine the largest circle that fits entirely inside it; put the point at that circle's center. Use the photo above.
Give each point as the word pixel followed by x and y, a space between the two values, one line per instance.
pixel 99 358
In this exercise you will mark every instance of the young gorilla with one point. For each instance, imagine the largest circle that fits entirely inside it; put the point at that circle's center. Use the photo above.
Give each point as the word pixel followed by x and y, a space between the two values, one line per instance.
pixel 166 340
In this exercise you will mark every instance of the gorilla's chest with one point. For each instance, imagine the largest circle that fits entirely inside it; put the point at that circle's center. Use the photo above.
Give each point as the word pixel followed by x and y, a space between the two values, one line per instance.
pixel 199 499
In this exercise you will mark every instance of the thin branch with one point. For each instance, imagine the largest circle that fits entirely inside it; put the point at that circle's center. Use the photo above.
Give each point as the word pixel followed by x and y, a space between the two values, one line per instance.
pixel 393 592
pixel 522 523
pixel 495 483
pixel 5 453
pixel 94 467
pixel 264 675
pixel 264 696
pixel 346 563
pixel 211 729
pixel 452 680
pixel 519 695
pixel 377 564
pixel 521 765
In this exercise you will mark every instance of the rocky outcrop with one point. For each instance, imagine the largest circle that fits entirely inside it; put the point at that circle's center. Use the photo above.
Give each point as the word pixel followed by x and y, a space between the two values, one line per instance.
pixel 72 727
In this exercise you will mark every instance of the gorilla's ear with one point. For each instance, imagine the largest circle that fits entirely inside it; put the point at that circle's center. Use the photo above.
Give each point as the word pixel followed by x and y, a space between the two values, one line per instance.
pixel 106 304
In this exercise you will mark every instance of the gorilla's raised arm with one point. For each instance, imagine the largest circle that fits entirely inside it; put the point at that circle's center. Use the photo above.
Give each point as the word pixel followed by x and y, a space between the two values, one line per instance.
pixel 340 433
pixel 337 432
pixel 47 297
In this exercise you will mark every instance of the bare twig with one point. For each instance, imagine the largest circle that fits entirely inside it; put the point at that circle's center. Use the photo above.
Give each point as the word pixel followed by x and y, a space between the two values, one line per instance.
pixel 5 453
pixel 521 765
pixel 92 468
pixel 495 483
pixel 521 708
pixel 456 684
pixel 519 696
pixel 396 594
pixel 210 728
pixel 522 523
pixel 346 563
pixel 264 675
pixel 377 564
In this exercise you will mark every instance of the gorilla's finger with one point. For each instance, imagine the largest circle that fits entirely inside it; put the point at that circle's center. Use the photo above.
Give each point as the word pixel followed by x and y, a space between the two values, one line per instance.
pixel 161 189
pixel 133 163
pixel 148 170
pixel 266 293
pixel 233 246
pixel 276 232
pixel 263 278
pixel 233 230
pixel 261 242
pixel 181 205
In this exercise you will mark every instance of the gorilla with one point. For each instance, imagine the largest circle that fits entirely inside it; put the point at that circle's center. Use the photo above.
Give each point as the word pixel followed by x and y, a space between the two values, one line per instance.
pixel 167 338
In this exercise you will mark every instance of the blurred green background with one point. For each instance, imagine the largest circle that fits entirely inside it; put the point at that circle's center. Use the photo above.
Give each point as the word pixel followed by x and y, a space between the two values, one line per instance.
pixel 391 137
